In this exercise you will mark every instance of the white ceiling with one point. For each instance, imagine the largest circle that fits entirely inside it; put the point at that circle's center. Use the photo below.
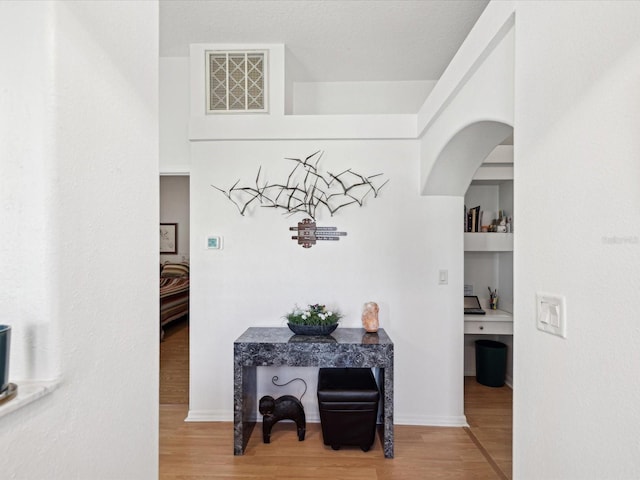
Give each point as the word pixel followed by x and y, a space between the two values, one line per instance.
pixel 330 40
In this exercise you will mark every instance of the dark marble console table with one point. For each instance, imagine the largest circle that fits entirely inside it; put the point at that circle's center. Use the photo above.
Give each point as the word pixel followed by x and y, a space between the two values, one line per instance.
pixel 345 347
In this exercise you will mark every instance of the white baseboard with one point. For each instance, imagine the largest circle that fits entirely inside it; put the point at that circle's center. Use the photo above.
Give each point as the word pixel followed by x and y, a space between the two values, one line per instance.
pixel 509 381
pixel 432 421
pixel 427 420
pixel 209 416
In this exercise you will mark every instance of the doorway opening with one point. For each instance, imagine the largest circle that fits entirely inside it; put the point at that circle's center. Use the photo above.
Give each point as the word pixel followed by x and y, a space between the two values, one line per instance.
pixel 488 275
pixel 174 291
pixel 464 168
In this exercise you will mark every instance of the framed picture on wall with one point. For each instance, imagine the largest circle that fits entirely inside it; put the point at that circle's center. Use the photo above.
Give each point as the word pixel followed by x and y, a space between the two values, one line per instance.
pixel 168 238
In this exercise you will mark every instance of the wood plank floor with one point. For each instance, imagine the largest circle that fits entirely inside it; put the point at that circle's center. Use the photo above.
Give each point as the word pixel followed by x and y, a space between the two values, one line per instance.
pixel 174 364
pixel 489 414
pixel 191 451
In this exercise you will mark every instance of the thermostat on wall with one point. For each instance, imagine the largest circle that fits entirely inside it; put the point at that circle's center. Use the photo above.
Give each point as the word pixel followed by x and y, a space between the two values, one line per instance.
pixel 214 243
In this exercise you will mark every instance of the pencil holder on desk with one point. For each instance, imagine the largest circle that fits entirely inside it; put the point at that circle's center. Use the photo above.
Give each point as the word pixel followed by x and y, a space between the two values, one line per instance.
pixel 493 303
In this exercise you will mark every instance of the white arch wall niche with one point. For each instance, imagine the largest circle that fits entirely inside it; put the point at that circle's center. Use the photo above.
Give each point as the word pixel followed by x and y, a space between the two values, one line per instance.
pixel 462 155
pixel 474 116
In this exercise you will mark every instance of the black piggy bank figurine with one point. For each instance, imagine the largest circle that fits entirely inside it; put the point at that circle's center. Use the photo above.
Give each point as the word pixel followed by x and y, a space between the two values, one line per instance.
pixel 286 407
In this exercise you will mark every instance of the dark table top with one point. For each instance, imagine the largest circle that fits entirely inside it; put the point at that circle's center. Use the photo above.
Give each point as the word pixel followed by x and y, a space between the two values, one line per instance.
pixel 341 336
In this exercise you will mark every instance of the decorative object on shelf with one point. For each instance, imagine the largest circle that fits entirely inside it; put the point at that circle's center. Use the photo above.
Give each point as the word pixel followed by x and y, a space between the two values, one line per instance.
pixel 169 238
pixel 306 189
pixel 315 320
pixel 502 224
pixel 473 221
pixel 370 317
pixel 493 299
pixel 286 407
pixel 308 233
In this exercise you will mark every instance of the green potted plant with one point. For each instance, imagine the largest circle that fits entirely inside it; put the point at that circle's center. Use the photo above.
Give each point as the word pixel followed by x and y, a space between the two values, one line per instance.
pixel 314 320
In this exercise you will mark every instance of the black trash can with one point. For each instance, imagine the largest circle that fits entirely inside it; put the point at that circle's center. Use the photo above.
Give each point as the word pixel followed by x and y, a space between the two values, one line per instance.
pixel 491 362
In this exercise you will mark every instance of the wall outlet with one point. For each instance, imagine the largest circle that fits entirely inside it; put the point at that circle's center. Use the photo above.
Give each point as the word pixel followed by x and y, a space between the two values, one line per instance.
pixel 551 316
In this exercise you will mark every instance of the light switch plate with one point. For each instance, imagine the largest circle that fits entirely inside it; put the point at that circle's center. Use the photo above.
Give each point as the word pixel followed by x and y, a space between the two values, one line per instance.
pixel 551 314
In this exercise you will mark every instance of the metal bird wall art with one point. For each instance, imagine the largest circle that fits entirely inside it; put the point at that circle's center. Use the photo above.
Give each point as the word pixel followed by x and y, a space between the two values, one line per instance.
pixel 307 190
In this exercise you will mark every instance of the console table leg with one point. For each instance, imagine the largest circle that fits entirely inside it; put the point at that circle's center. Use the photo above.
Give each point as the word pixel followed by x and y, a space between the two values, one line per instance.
pixel 244 408
pixel 388 411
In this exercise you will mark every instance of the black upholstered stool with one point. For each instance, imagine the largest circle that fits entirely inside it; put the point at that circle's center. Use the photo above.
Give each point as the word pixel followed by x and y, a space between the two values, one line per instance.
pixel 348 401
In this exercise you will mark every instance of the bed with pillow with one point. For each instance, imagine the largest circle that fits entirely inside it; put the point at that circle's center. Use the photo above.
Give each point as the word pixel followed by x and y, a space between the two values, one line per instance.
pixel 174 293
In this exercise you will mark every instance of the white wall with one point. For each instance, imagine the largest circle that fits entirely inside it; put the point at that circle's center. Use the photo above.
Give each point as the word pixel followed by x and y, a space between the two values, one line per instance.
pixel 392 253
pixel 577 198
pixel 391 257
pixel 322 98
pixel 174 208
pixel 79 189
pixel 274 124
pixel 27 193
pixel 174 128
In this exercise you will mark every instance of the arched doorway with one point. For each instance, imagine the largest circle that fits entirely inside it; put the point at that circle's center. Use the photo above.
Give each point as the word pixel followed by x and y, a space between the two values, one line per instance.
pixel 488 262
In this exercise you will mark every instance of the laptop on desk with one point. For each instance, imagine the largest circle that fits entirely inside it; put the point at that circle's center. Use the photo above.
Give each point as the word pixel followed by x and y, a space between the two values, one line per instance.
pixel 472 305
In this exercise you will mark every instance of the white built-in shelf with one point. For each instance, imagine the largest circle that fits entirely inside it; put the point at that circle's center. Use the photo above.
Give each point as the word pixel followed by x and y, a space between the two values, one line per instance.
pixel 488 242
pixel 28 392
pixel 493 174
pixel 497 167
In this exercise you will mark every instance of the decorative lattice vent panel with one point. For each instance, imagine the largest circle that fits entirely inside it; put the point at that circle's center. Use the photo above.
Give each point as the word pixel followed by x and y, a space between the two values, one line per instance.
pixel 236 82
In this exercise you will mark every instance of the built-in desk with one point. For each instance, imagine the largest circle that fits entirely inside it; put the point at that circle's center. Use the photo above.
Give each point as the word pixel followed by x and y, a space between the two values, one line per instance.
pixel 495 325
pixel 495 322
pixel 345 347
